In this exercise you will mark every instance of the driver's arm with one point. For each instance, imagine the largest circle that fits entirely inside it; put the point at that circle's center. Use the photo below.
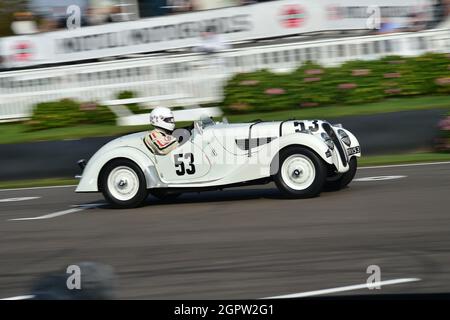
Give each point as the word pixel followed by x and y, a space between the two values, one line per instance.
pixel 159 143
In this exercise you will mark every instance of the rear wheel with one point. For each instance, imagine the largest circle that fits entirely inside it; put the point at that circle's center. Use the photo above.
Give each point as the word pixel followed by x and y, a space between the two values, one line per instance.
pixel 123 184
pixel 301 174
pixel 341 180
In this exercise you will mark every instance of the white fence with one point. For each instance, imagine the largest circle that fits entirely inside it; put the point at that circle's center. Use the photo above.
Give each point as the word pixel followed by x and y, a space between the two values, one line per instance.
pixel 192 77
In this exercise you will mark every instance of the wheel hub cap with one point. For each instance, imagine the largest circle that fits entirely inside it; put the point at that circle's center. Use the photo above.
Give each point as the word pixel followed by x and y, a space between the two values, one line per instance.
pixel 298 172
pixel 123 183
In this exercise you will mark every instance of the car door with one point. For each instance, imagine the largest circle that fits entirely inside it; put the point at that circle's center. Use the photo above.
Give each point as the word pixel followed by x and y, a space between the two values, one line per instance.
pixel 185 164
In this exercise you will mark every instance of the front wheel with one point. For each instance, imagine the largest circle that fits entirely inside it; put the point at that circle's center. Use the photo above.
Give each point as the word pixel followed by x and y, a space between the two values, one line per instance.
pixel 301 174
pixel 340 181
pixel 122 183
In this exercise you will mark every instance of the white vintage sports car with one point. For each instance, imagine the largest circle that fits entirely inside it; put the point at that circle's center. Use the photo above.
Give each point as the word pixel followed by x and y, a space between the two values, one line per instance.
pixel 301 157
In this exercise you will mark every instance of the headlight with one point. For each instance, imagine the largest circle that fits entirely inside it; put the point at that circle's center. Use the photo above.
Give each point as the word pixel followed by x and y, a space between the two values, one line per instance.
pixel 344 137
pixel 327 140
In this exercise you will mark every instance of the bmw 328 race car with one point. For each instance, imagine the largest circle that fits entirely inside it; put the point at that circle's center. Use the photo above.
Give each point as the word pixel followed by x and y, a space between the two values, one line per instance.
pixel 302 157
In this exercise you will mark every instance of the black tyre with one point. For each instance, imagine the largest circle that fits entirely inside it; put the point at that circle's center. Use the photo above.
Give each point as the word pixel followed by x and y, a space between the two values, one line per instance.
pixel 123 184
pixel 301 173
pixel 164 194
pixel 340 181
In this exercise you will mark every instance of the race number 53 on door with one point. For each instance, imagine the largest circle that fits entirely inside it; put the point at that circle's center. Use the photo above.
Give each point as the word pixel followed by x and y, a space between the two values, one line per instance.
pixel 184 164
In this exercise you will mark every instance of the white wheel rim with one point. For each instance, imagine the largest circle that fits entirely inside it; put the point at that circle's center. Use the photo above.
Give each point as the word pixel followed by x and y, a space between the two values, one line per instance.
pixel 298 172
pixel 123 183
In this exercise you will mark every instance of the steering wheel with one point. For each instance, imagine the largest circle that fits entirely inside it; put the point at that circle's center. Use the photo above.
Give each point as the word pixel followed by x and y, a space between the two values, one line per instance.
pixel 182 135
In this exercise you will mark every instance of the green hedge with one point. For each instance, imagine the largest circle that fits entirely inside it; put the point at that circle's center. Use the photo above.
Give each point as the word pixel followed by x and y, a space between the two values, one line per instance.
pixel 354 82
pixel 133 107
pixel 68 113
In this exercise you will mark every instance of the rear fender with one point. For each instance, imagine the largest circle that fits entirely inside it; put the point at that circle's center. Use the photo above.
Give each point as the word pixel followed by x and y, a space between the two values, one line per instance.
pixel 90 178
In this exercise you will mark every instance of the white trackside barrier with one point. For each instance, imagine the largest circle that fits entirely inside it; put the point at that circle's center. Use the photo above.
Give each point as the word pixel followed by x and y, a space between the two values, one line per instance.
pixel 179 115
pixel 190 79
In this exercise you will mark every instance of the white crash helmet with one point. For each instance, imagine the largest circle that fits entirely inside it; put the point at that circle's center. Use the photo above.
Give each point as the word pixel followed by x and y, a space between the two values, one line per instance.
pixel 162 117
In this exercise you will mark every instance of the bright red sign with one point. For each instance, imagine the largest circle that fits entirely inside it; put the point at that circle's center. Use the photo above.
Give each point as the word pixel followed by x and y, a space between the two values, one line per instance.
pixel 292 16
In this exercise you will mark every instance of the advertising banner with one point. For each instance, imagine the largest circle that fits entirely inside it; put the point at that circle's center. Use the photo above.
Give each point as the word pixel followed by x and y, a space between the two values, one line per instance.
pixel 257 21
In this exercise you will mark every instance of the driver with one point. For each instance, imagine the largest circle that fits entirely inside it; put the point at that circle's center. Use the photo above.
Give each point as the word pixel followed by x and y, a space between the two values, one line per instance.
pixel 160 140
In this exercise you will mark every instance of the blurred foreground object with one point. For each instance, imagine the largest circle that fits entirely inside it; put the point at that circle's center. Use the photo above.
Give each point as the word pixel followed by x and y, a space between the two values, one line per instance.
pixel 180 5
pixel 418 22
pixel 97 283
pixel 214 4
pixel 389 26
pixel 23 23
pixel 211 42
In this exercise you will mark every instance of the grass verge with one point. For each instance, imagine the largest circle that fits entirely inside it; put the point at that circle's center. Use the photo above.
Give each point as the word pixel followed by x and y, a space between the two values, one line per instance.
pixel 17 133
pixel 403 159
pixel 387 106
pixel 37 183
pixel 364 162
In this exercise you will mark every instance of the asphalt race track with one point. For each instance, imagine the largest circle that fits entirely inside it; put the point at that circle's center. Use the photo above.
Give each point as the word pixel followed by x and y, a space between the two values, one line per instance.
pixel 239 243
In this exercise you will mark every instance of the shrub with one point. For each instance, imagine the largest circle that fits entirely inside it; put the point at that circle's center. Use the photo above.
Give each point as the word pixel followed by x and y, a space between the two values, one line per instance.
pixel 443 141
pixel 134 107
pixel 126 95
pixel 354 82
pixel 67 113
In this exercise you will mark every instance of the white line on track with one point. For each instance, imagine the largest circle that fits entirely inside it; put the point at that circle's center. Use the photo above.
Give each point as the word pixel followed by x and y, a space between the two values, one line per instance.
pixel 60 213
pixel 19 298
pixel 379 178
pixel 19 199
pixel 303 294
pixel 405 165
pixel 342 289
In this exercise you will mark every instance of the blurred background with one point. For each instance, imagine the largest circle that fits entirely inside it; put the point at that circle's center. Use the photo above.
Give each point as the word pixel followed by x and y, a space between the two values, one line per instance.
pixel 89 70
pixel 75 74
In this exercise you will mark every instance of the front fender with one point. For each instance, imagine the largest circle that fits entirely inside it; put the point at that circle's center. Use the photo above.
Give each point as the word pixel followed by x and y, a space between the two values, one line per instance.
pixel 310 141
pixel 305 140
pixel 91 173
